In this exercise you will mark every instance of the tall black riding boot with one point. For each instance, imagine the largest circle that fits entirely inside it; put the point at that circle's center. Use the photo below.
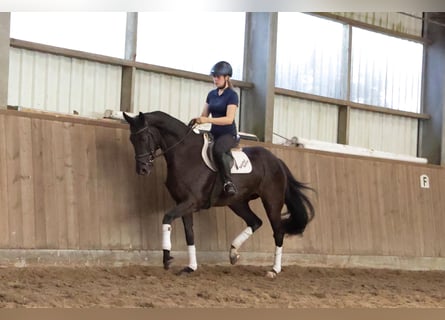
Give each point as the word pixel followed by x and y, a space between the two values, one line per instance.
pixel 229 187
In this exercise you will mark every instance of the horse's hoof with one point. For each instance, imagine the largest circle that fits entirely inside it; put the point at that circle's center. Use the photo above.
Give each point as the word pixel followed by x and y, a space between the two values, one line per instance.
pixel 234 258
pixel 167 263
pixel 186 270
pixel 233 255
pixel 271 274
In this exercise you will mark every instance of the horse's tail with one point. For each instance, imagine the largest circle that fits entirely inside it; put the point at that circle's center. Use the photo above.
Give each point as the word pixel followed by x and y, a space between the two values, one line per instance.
pixel 300 209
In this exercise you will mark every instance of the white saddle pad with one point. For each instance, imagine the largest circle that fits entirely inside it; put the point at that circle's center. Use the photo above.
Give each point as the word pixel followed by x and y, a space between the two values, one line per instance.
pixel 241 163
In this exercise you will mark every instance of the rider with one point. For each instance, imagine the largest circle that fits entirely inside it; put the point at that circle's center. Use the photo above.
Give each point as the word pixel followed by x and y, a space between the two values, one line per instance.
pixel 222 103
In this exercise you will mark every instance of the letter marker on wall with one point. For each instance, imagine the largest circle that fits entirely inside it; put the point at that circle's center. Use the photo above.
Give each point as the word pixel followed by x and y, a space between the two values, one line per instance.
pixel 424 181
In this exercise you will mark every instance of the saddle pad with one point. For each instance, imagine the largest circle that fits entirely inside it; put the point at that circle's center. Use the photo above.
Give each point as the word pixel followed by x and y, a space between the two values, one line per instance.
pixel 241 163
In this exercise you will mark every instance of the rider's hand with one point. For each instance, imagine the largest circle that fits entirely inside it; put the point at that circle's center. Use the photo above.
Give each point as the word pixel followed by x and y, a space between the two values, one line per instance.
pixel 192 123
pixel 201 120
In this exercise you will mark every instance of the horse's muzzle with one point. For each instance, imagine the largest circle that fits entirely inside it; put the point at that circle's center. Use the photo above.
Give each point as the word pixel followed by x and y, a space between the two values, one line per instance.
pixel 144 163
pixel 143 170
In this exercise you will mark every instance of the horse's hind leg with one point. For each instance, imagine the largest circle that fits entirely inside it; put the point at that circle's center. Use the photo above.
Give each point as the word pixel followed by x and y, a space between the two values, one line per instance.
pixel 273 211
pixel 243 210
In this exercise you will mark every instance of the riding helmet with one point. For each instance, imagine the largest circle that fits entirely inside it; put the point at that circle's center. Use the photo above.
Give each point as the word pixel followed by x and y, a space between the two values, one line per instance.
pixel 221 68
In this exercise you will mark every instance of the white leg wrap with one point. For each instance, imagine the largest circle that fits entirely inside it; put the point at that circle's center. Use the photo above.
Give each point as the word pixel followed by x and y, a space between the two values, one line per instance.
pixel 243 236
pixel 192 257
pixel 277 262
pixel 166 232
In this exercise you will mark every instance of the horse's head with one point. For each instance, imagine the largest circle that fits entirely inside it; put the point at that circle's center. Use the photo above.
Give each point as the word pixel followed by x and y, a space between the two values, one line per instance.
pixel 143 141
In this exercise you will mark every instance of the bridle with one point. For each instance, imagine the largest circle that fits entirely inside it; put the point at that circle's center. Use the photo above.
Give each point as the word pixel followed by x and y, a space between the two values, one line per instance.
pixel 149 157
pixel 146 158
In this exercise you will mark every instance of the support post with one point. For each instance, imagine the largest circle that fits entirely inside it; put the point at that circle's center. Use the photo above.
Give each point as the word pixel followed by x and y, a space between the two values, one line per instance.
pixel 5 27
pixel 432 131
pixel 129 72
pixel 343 125
pixel 256 114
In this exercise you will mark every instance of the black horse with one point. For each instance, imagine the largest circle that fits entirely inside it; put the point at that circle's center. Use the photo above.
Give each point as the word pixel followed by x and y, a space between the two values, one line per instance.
pixel 194 186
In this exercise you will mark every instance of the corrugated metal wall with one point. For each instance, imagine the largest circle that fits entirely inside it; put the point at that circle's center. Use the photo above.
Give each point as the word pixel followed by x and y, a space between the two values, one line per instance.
pixel 304 119
pixel 60 84
pixel 395 21
pixel 180 97
pixel 383 132
pixel 56 83
pixel 319 121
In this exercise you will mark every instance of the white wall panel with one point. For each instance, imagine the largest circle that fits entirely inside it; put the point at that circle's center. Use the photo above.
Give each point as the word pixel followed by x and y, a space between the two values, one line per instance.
pixel 180 97
pixel 383 132
pixel 304 119
pixel 60 84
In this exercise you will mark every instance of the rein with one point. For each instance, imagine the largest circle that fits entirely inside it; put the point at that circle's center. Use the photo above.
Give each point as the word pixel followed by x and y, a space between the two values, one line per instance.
pixel 151 154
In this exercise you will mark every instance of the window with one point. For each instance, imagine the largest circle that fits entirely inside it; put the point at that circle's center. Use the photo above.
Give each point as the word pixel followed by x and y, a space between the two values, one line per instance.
pixel 96 32
pixel 312 58
pixel 192 41
pixel 311 55
pixel 386 71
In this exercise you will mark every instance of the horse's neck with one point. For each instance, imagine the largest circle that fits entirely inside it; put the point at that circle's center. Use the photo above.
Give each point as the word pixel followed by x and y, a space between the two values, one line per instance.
pixel 170 129
pixel 170 138
pixel 174 136
pixel 180 148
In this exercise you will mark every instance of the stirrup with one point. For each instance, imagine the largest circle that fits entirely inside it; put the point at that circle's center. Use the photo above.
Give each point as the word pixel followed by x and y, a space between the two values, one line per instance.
pixel 229 188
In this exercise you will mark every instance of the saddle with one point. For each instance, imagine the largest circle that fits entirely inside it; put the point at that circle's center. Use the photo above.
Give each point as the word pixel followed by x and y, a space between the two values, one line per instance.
pixel 239 162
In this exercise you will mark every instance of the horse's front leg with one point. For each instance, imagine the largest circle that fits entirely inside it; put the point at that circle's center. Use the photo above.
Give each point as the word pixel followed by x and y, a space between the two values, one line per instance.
pixel 184 209
pixel 187 220
pixel 166 246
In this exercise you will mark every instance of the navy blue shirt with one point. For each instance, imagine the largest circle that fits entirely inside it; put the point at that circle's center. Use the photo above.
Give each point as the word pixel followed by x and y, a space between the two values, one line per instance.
pixel 218 108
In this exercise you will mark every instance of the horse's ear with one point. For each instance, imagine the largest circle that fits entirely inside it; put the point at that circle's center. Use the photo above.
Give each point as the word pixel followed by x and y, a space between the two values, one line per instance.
pixel 141 119
pixel 129 119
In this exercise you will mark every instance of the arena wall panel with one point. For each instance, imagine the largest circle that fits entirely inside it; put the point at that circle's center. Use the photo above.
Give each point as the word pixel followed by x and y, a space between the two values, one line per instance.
pixel 69 183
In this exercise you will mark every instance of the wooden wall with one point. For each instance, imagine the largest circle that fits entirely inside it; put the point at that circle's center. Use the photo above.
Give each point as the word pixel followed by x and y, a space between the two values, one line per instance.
pixel 70 183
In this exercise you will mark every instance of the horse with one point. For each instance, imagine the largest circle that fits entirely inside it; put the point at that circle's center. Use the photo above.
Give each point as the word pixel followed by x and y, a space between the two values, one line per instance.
pixel 193 186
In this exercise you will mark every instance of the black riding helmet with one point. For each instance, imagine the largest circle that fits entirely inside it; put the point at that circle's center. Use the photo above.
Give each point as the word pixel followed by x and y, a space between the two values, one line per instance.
pixel 222 68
